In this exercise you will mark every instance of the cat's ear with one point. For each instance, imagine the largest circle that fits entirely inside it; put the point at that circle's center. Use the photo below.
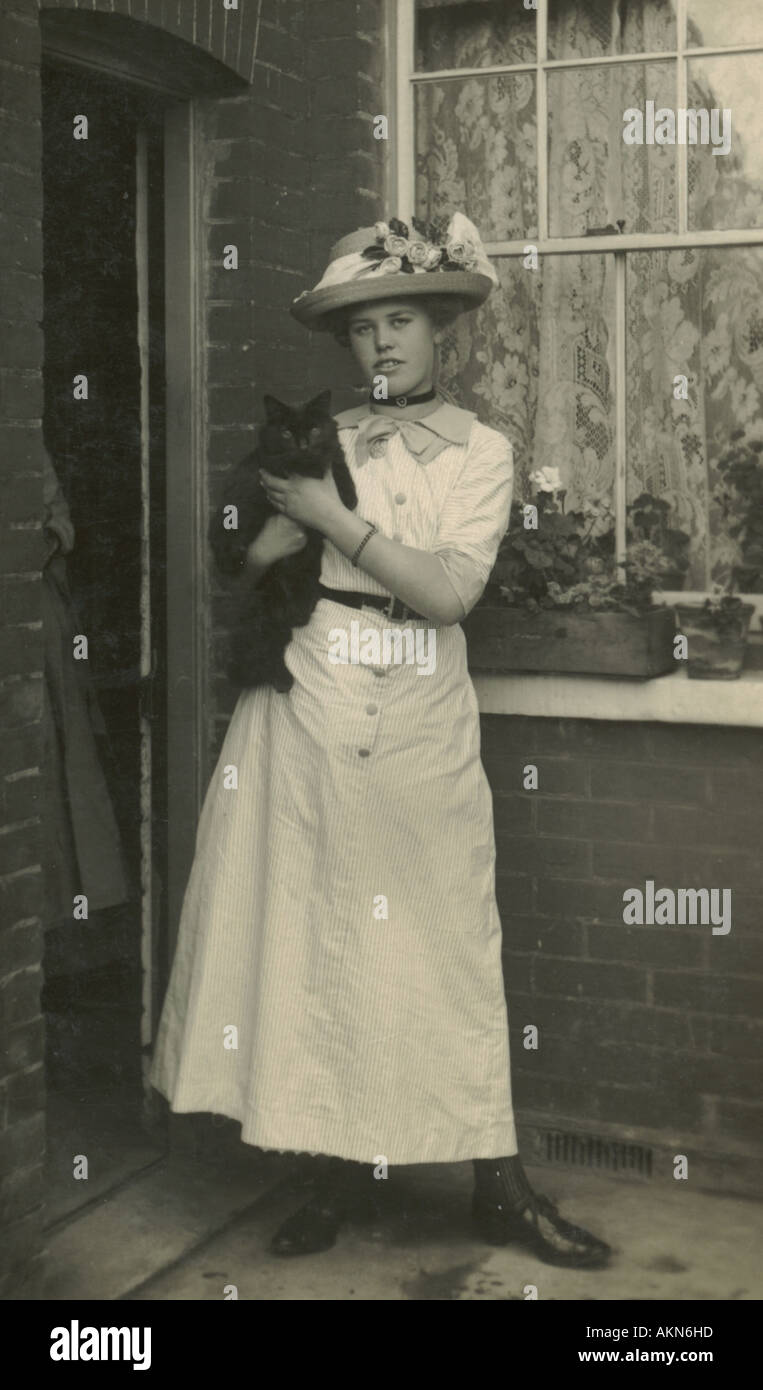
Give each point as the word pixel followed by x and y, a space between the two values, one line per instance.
pixel 274 409
pixel 321 402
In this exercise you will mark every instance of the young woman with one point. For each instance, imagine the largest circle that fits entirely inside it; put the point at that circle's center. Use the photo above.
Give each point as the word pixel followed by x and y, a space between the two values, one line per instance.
pixel 341 910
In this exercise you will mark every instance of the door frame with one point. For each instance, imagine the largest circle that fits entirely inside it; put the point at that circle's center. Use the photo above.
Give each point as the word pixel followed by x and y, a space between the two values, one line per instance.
pixel 186 512
pixel 125 50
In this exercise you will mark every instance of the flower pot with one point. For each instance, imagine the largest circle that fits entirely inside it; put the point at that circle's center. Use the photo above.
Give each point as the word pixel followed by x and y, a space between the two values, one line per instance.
pixel 715 652
pixel 565 641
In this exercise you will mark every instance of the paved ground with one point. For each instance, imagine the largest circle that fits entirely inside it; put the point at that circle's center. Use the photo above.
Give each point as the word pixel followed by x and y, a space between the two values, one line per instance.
pixel 183 1231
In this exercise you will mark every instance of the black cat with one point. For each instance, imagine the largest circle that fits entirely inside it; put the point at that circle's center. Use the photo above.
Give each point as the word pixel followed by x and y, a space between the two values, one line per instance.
pixel 302 440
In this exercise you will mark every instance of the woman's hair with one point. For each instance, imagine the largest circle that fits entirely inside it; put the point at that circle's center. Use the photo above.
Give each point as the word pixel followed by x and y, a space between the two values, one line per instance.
pixel 442 309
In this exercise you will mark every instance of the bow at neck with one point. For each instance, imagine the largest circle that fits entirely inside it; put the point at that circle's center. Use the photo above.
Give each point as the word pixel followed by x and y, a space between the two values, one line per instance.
pixel 424 438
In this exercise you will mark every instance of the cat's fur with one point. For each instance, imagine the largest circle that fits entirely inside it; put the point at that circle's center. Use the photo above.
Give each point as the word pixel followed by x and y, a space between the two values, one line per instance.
pixel 301 440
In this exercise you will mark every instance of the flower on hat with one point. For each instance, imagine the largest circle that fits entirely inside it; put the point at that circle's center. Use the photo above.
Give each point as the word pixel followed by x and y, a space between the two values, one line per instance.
pixel 418 252
pixel 432 249
pixel 459 252
pixel 396 245
pixel 456 250
pixel 463 253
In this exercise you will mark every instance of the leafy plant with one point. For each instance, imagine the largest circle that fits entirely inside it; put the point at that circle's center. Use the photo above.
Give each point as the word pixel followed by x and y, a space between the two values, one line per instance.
pixel 649 520
pixel 569 560
pixel 740 497
pixel 726 613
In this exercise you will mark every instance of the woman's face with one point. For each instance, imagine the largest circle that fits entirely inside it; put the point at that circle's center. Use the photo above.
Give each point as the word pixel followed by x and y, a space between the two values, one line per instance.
pixel 395 339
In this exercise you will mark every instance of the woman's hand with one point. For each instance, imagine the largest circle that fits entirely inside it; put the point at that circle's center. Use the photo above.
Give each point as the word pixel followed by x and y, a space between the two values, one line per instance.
pixel 312 501
pixel 278 538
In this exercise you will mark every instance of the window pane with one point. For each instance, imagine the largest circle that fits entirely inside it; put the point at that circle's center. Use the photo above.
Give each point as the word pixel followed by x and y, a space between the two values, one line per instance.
pixel 594 177
pixel 696 314
pixel 476 150
pixel 711 24
pixel 536 362
pixel 472 34
pixel 598 28
pixel 726 189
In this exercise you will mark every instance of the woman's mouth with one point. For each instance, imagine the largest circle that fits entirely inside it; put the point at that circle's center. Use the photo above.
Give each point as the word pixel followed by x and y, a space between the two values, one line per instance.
pixel 388 364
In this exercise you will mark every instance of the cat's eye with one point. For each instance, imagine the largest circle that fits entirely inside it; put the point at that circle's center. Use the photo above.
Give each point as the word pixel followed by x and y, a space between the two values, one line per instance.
pixel 286 434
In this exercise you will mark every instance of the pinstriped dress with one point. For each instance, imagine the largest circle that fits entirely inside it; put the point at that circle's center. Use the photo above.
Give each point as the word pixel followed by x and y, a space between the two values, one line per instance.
pixel 340 911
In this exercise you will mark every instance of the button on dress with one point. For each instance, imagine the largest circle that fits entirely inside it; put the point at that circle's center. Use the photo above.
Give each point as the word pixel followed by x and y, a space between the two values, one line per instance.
pixel 337 985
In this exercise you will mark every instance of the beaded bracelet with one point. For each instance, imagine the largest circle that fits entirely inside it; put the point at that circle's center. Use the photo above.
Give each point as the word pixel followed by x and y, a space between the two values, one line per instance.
pixel 369 533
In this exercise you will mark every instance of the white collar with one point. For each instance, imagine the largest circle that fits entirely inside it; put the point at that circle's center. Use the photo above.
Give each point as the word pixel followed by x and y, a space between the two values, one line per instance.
pixel 449 421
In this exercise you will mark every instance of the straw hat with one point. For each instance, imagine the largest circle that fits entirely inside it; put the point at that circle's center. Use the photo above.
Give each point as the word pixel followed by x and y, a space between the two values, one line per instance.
pixel 389 261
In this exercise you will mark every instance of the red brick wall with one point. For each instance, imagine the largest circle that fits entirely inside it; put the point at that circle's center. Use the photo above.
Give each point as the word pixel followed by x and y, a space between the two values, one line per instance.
pixel 655 1029
pixel 292 165
pixel 228 35
pixel 254 197
pixel 21 1119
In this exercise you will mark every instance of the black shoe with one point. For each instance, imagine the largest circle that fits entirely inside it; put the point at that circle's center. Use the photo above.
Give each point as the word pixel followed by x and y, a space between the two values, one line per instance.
pixel 536 1223
pixel 314 1227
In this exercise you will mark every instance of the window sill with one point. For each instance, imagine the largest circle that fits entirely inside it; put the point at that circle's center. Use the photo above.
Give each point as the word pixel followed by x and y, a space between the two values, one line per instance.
pixel 670 699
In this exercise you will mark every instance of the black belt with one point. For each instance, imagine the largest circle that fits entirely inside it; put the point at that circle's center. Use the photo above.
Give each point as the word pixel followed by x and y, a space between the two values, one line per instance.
pixel 393 607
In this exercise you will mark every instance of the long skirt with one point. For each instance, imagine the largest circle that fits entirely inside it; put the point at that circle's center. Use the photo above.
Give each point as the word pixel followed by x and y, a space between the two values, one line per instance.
pixel 82 843
pixel 337 985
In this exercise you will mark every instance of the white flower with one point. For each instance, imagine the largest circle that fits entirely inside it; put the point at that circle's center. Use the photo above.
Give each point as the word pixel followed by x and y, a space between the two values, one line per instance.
pixel 547 480
pixel 381 229
pixel 433 258
pixel 418 252
pixel 395 245
pixel 457 250
pixel 389 265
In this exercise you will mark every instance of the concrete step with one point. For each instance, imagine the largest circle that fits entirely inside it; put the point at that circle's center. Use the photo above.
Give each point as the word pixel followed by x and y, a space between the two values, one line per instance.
pixel 150 1222
pixel 108 1132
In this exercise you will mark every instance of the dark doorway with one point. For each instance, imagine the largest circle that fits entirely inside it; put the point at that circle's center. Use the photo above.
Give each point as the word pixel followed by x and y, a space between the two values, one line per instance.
pixel 104 321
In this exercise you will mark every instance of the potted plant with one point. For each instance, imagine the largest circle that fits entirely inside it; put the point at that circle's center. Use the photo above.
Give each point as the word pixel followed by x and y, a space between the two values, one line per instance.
pixel 716 627
pixel 557 602
pixel 649 520
pixel 716 635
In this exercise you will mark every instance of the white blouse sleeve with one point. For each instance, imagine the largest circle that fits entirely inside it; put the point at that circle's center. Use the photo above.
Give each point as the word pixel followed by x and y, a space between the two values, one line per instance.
pixel 475 516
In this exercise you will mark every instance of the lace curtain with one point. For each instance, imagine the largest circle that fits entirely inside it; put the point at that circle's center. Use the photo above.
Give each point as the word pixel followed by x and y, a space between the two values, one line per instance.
pixel 537 361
